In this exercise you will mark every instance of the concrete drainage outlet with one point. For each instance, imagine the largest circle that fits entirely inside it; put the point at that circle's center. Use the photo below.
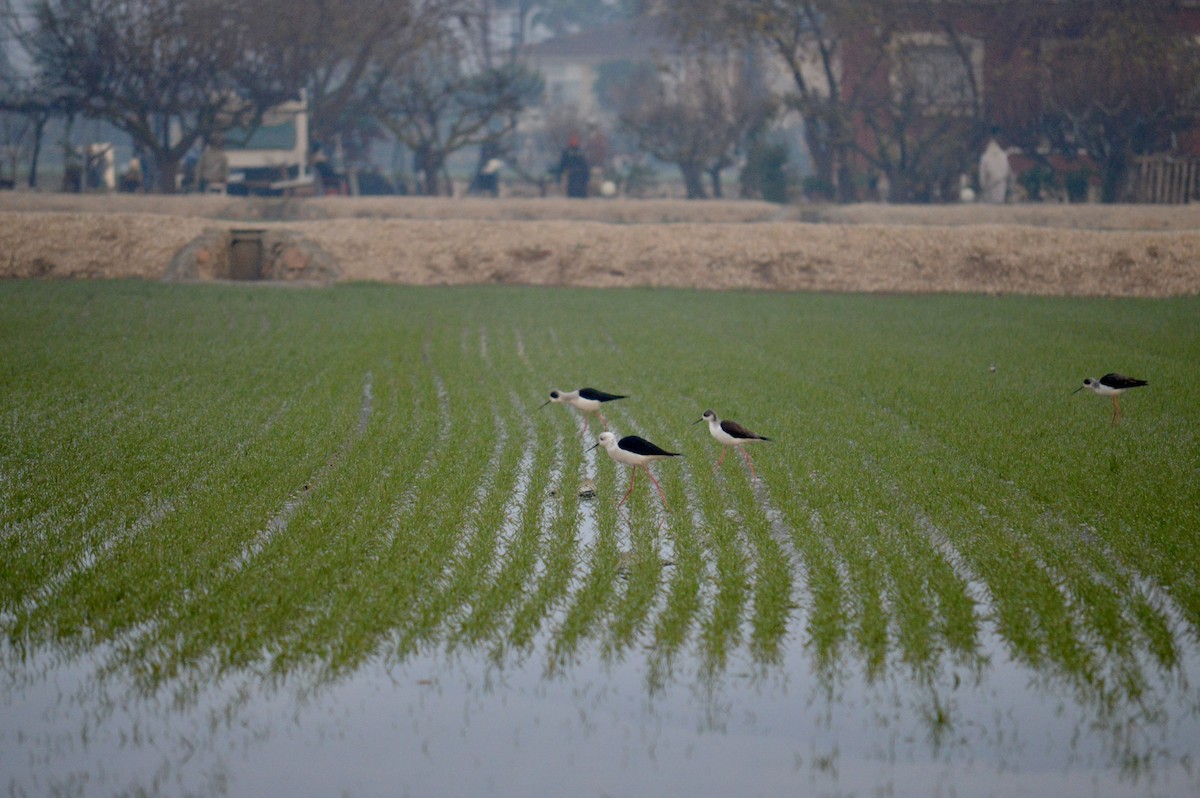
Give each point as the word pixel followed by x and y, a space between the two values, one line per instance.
pixel 244 254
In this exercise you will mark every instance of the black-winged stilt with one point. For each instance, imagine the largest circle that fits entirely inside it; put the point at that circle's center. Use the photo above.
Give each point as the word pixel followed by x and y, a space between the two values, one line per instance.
pixel 730 433
pixel 585 400
pixel 1113 385
pixel 636 453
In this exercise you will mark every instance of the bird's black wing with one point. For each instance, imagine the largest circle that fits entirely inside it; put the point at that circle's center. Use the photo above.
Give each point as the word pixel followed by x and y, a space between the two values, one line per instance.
pixel 598 396
pixel 632 443
pixel 736 430
pixel 1115 380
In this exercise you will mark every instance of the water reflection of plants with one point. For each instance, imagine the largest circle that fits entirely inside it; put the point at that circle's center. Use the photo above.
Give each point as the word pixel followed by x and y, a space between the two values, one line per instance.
pixel 283 482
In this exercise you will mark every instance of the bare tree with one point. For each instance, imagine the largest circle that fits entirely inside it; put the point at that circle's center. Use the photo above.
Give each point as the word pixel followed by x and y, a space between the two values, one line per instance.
pixel 1116 77
pixel 449 98
pixel 667 125
pixel 334 49
pixel 916 99
pixel 1122 83
pixel 697 115
pixel 167 72
pixel 26 102
pixel 808 38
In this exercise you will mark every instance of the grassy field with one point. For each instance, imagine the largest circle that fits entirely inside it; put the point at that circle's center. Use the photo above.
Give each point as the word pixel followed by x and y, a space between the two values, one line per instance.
pixel 219 477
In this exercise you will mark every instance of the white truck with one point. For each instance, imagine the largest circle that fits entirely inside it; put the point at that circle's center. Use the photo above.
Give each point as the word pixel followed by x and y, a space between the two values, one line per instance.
pixel 273 159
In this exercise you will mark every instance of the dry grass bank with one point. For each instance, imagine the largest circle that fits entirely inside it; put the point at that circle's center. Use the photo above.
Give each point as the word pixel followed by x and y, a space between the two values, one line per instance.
pixel 1035 249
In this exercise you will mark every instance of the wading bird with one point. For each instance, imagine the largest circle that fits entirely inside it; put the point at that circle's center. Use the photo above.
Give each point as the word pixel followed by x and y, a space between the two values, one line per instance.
pixel 1111 385
pixel 636 453
pixel 585 400
pixel 730 433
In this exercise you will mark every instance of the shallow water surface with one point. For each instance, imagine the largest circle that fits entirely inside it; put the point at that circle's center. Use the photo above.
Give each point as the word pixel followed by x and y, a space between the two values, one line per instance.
pixel 464 724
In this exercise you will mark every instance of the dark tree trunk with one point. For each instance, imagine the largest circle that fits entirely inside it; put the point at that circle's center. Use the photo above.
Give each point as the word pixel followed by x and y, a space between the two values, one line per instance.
pixel 165 171
pixel 1114 171
pixel 693 180
pixel 39 128
pixel 433 180
pixel 714 175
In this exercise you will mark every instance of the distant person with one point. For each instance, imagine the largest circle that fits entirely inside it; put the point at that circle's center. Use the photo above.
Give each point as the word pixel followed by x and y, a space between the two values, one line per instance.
pixel 191 165
pixel 993 172
pixel 131 181
pixel 325 176
pixel 213 168
pixel 883 187
pixel 573 168
pixel 487 178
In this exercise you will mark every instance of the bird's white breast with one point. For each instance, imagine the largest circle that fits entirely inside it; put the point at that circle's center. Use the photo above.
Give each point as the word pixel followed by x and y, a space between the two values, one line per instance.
pixel 628 458
pixel 585 405
pixel 721 435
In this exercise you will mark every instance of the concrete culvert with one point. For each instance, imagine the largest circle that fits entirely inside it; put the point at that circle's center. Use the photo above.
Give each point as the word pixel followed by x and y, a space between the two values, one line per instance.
pixel 246 254
pixel 252 254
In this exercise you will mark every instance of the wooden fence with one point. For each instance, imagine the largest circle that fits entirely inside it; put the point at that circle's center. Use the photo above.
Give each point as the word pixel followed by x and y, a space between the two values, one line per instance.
pixel 1163 179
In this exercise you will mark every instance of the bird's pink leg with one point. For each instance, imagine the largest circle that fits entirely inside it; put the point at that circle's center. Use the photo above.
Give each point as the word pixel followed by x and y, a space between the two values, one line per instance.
pixel 660 490
pixel 632 478
pixel 1116 409
pixel 603 420
pixel 748 462
pixel 721 459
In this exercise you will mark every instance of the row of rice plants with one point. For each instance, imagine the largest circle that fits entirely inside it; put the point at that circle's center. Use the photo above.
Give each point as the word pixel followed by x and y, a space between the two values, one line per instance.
pixel 174 440
pixel 221 475
pixel 718 532
pixel 440 464
pixel 898 576
pixel 1084 586
pixel 62 502
pixel 904 437
pixel 882 383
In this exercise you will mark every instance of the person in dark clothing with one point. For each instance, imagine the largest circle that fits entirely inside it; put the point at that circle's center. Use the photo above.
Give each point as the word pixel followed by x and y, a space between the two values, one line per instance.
pixel 487 177
pixel 326 182
pixel 573 167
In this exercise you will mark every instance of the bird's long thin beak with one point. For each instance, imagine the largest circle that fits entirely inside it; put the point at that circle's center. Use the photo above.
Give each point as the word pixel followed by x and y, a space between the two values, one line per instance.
pixel 697 421
pixel 543 404
pixel 1077 390
pixel 593 447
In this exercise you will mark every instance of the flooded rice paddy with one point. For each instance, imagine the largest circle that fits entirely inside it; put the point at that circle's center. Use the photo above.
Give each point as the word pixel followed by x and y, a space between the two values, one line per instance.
pixel 325 542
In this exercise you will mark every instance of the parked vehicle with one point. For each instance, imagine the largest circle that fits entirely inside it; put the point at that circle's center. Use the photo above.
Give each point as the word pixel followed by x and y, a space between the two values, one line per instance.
pixel 272 159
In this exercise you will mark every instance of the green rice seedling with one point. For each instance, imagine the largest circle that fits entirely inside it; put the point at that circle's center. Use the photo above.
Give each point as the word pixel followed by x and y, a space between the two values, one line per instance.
pixel 720 630
pixel 210 478
pixel 142 573
pixel 642 565
pixel 530 461
pixel 590 601
pixel 558 557
pixel 88 468
pixel 519 562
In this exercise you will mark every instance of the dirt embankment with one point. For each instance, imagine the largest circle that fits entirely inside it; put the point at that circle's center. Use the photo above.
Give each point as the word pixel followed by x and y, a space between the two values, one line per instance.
pixel 1032 249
